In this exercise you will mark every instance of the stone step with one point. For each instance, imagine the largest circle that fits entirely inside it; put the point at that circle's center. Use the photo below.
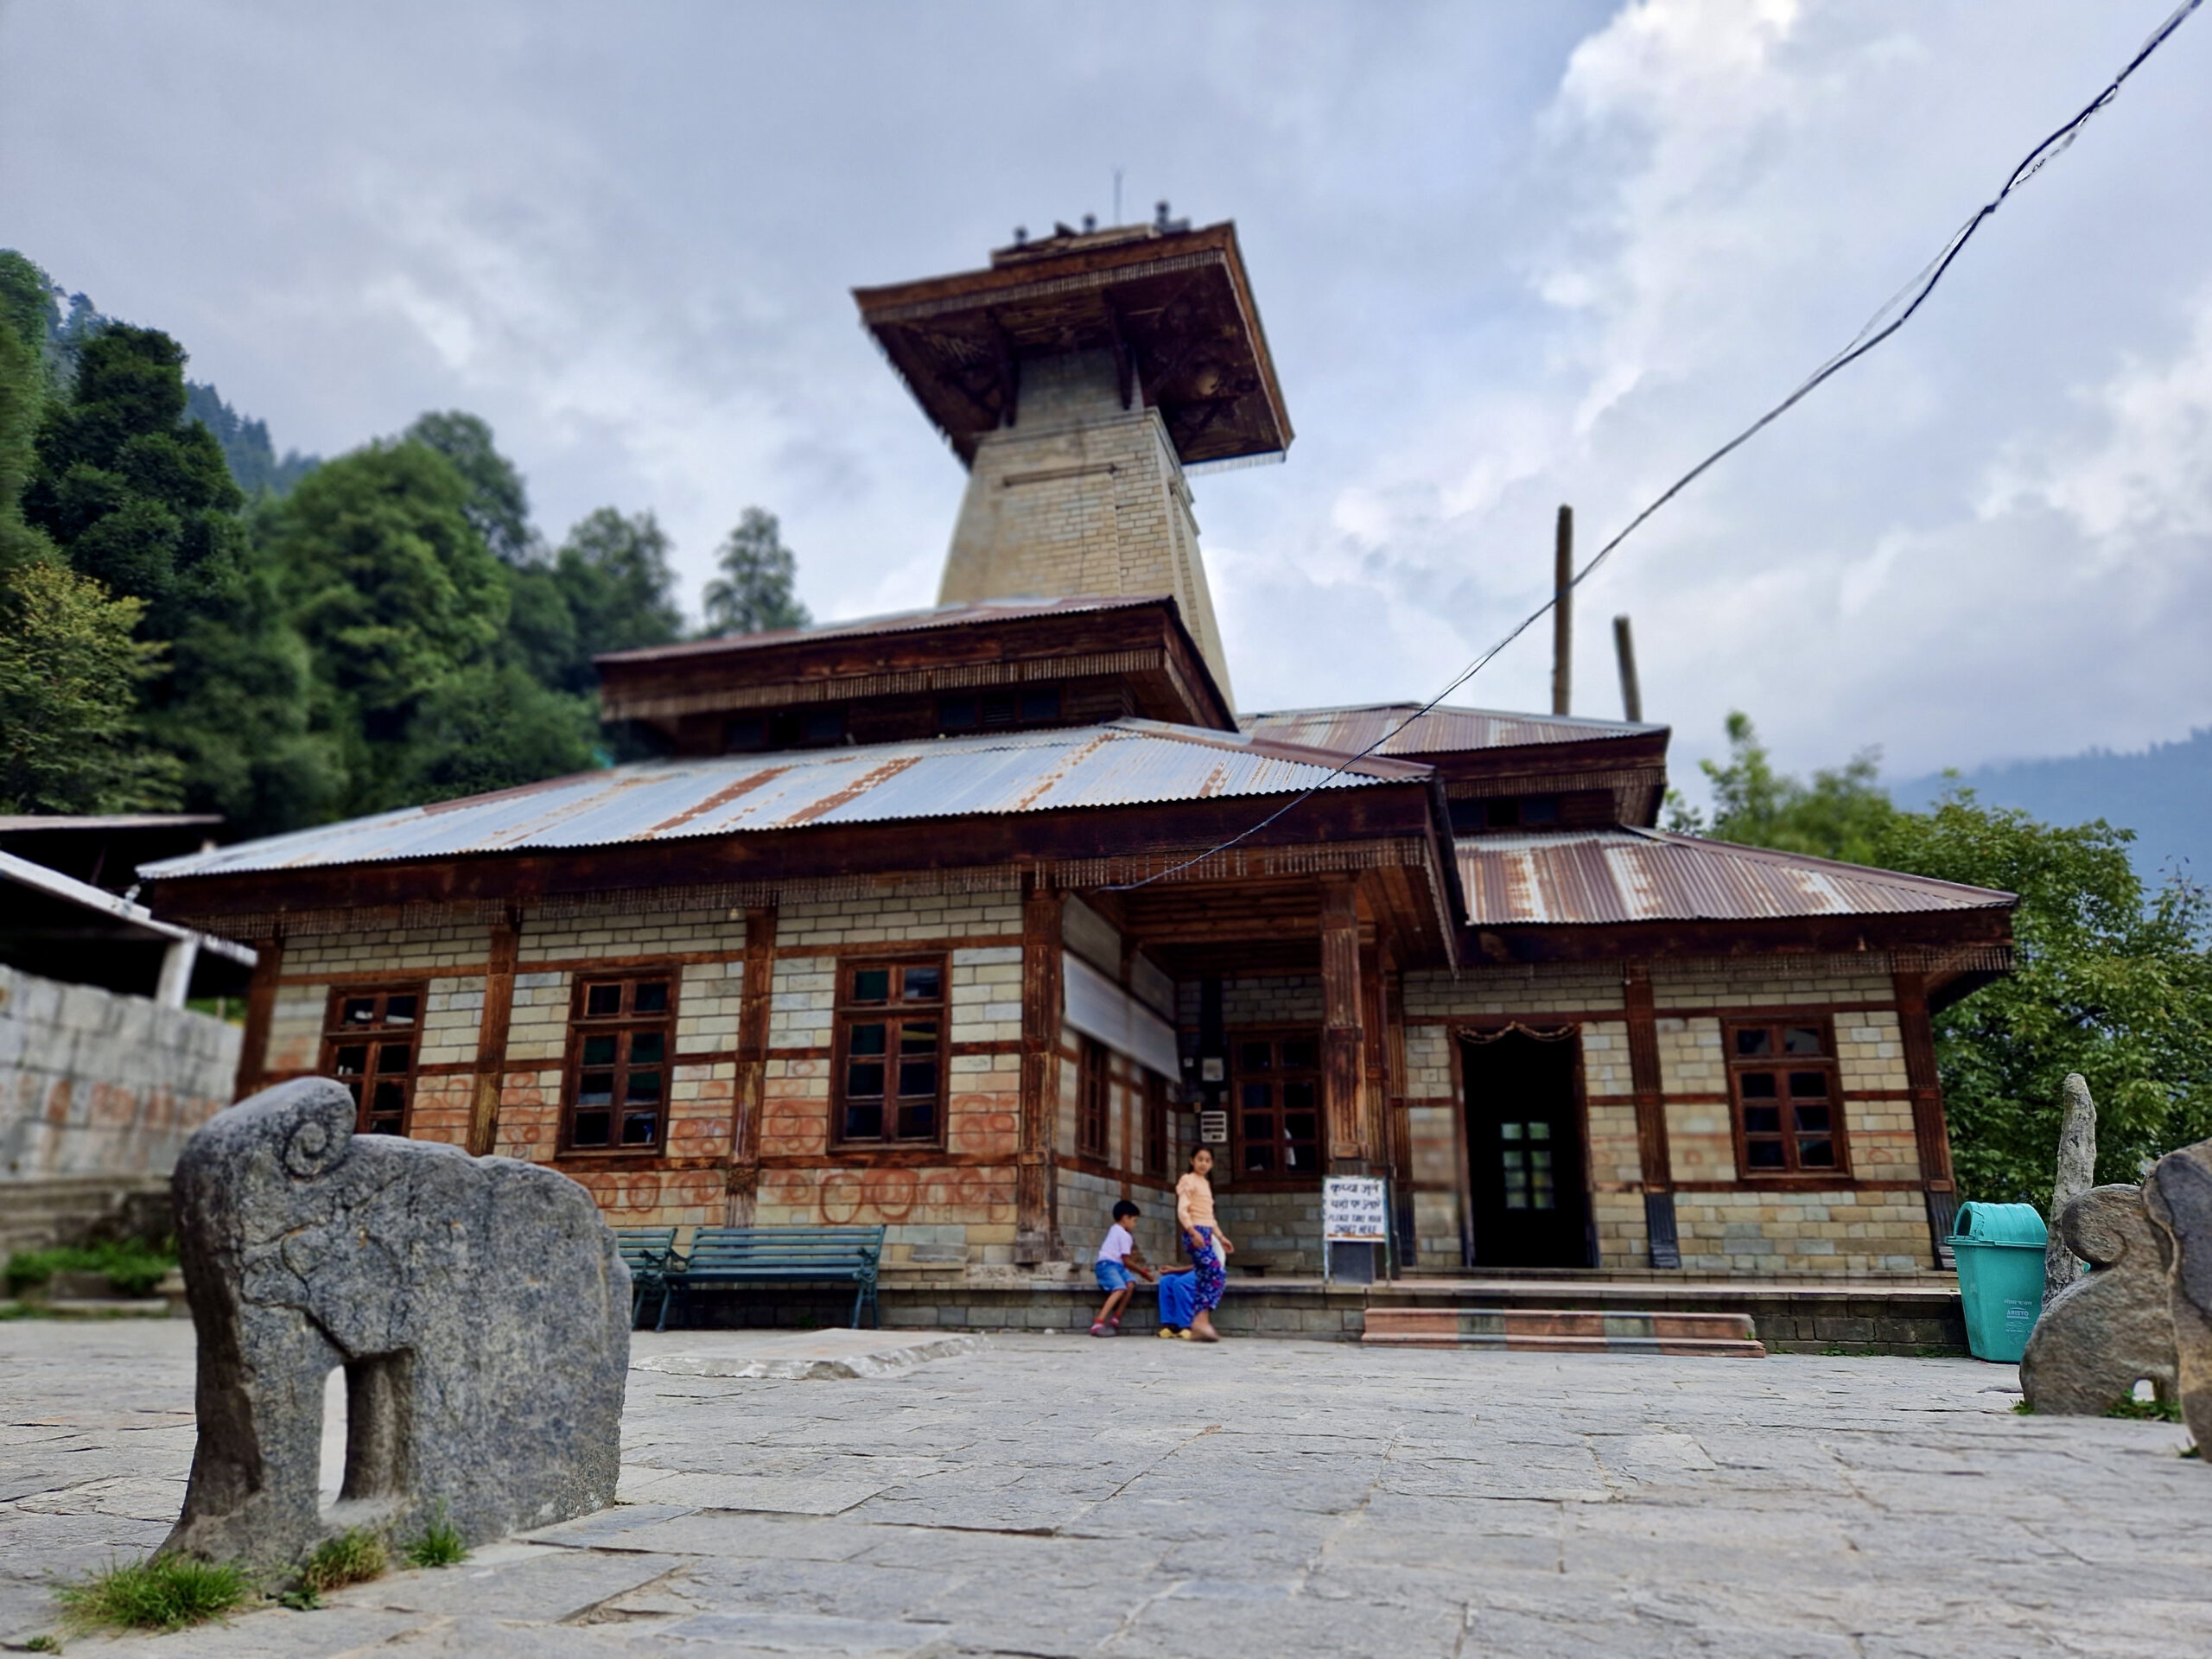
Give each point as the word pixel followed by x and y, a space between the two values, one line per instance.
pixel 1557 1331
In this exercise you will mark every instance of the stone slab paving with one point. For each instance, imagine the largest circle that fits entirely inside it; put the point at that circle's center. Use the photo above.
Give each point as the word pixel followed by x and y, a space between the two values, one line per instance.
pixel 1050 1495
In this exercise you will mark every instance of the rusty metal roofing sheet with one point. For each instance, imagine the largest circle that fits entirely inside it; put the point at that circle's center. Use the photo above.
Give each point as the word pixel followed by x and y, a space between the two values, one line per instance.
pixel 938 616
pixel 1597 876
pixel 1442 730
pixel 1127 763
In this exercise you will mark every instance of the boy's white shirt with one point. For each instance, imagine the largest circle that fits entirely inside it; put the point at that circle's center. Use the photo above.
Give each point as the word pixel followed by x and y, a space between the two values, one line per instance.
pixel 1119 1242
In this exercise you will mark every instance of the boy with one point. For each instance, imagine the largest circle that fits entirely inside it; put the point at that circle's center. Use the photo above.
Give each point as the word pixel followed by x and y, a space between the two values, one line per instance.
pixel 1118 1257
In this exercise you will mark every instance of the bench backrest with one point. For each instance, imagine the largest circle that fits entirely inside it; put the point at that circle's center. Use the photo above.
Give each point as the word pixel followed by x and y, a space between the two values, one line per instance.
pixel 645 1247
pixel 846 1248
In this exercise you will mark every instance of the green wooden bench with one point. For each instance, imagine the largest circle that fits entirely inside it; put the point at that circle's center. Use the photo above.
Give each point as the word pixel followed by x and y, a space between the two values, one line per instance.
pixel 732 1257
pixel 647 1252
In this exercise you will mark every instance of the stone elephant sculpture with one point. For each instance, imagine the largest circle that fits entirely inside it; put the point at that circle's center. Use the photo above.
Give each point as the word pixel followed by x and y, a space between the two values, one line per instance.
pixel 479 1307
pixel 2111 1328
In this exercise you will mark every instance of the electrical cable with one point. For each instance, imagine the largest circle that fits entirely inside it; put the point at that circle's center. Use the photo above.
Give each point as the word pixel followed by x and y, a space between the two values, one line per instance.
pixel 1872 336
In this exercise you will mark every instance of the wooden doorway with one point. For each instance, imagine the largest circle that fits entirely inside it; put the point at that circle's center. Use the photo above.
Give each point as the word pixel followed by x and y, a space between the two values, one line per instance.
pixel 1524 1149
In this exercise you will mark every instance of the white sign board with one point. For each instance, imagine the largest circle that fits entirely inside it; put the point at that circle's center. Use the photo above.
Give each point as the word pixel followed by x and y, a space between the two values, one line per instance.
pixel 1352 1209
pixel 1213 1128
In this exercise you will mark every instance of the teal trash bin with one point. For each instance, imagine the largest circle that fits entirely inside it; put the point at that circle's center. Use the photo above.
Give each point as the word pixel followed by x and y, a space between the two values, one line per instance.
pixel 2000 1250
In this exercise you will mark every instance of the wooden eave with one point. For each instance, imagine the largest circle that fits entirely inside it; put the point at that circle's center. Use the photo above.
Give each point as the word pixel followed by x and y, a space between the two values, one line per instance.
pixel 1146 644
pixel 1632 766
pixel 1178 306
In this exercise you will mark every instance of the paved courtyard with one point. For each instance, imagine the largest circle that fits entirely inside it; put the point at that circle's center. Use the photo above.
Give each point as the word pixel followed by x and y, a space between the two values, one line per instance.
pixel 1056 1495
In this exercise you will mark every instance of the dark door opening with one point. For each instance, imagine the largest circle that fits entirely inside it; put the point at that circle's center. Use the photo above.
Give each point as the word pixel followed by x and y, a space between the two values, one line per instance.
pixel 1524 1151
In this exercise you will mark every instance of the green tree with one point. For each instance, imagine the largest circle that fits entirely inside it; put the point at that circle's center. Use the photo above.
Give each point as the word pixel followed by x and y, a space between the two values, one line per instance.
pixel 23 389
pixel 70 741
pixel 609 587
pixel 498 504
pixel 492 726
pixel 753 593
pixel 2110 981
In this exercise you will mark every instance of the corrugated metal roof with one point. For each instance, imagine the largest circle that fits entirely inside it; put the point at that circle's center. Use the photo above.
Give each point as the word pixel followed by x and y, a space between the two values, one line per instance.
pixel 938 616
pixel 1129 762
pixel 1592 877
pixel 1349 731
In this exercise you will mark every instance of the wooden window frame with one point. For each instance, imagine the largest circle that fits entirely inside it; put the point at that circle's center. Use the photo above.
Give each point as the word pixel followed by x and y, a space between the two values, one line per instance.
pixel 850 1012
pixel 624 1025
pixel 1276 1175
pixel 338 1033
pixel 1781 1062
pixel 1093 1100
pixel 1157 1153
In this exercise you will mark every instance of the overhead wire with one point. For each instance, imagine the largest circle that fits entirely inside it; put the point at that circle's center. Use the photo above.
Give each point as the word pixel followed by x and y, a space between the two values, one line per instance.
pixel 1912 295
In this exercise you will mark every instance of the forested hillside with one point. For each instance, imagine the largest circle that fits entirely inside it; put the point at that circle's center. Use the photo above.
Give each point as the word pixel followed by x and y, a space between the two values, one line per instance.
pixel 188 620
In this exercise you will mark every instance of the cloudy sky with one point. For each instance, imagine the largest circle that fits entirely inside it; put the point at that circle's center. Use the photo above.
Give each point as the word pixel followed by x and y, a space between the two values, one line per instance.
pixel 1509 256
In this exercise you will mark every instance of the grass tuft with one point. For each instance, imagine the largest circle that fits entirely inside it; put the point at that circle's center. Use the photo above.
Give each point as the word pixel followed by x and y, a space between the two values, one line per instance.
pixel 163 1592
pixel 354 1556
pixel 2022 1408
pixel 2146 1411
pixel 43 1645
pixel 441 1544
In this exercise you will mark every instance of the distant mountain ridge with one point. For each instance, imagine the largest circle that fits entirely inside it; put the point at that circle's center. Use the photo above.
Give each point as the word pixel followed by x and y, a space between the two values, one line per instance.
pixel 2163 793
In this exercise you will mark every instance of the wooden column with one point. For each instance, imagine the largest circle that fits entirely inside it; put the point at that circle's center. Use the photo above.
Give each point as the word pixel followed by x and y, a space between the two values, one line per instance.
pixel 1344 1064
pixel 1036 1223
pixel 1664 1245
pixel 491 1034
pixel 1931 1134
pixel 1398 1134
pixel 748 1092
pixel 260 1011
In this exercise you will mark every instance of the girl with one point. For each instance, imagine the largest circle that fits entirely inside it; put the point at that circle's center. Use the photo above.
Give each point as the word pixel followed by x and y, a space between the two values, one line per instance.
pixel 1207 1244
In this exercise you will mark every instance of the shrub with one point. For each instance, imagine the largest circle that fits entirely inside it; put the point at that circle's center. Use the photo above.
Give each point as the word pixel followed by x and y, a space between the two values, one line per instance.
pixel 133 1268
pixel 163 1592
pixel 440 1545
pixel 354 1556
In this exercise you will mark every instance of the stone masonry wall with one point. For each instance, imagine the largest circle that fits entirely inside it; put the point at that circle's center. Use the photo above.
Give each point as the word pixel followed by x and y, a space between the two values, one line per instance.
pixel 97 1083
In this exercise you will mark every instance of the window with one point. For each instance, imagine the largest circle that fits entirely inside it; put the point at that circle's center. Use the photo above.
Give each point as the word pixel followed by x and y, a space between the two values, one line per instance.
pixel 1788 1108
pixel 890 1058
pixel 969 711
pixel 1505 812
pixel 1524 1154
pixel 621 1036
pixel 369 1046
pixel 791 728
pixel 1094 1090
pixel 1279 1106
pixel 1155 1124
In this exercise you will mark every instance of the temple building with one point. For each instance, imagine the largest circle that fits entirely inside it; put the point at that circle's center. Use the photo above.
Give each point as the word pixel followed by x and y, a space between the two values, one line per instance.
pixel 973 920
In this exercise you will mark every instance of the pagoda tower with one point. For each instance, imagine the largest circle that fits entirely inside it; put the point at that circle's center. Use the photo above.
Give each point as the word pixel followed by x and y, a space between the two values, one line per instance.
pixel 1077 377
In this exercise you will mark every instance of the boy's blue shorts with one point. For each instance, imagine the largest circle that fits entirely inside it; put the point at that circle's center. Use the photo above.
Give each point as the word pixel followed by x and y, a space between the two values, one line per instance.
pixel 1112 1275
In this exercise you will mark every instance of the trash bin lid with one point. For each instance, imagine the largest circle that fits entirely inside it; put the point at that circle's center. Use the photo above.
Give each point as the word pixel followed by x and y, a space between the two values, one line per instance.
pixel 2000 1223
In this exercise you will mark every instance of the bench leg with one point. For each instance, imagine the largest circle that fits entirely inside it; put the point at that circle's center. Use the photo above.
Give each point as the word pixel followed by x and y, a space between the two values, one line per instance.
pixel 859 1295
pixel 667 1292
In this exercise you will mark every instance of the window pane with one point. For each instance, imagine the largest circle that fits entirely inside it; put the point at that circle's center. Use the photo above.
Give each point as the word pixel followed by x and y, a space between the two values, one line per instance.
pixel 917 1120
pixel 923 984
pixel 399 1010
pixel 391 1101
pixel 1816 1155
pixel 599 1050
pixel 595 1089
pixel 652 997
pixel 1759 1086
pixel 1540 809
pixel 864 1121
pixel 360 1011
pixel 1502 814
pixel 1756 1040
pixel 1259 1126
pixel 1802 1083
pixel 998 708
pixel 1298 1096
pixel 1300 1157
pixel 1042 703
pixel 1258 1096
pixel 1762 1120
pixel 868 1039
pixel 1540 1160
pixel 642 1089
pixel 1259 1156
pixel 1765 1154
pixel 1255 1057
pixel 745 732
pixel 1540 1132
pixel 1813 1119
pixel 601 1001
pixel 352 1059
pixel 639 1129
pixel 864 1079
pixel 591 1129
pixel 956 714
pixel 824 725
pixel 917 1077
pixel 919 1037
pixel 1510 1132
pixel 648 1047
pixel 1301 1126
pixel 1803 1040
pixel 871 985
pixel 393 1057
pixel 1300 1057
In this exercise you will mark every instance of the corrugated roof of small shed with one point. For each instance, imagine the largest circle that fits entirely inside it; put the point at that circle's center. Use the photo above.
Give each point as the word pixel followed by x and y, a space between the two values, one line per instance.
pixel 1130 762
pixel 1594 877
pixel 1441 730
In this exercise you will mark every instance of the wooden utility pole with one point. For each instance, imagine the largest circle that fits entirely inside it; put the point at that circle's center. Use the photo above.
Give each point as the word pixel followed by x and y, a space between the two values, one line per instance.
pixel 1563 614
pixel 1631 690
